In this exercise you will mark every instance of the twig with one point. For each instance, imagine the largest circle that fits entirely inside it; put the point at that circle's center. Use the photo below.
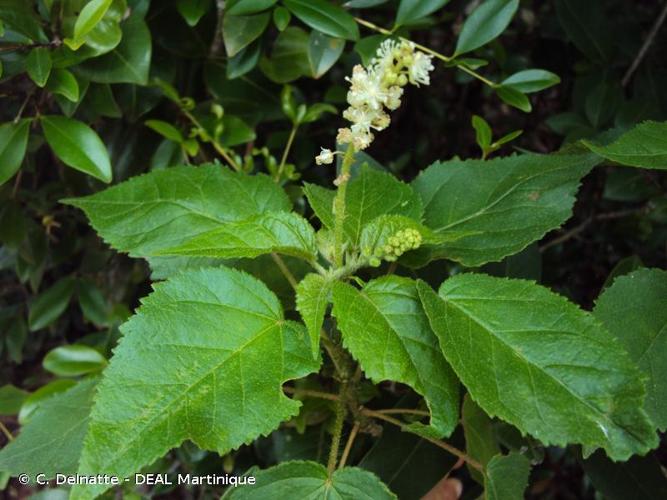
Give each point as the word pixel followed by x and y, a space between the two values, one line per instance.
pixel 341 412
pixel 644 48
pixel 404 411
pixel 348 445
pixel 288 147
pixel 284 269
pixel 6 432
pixel 312 394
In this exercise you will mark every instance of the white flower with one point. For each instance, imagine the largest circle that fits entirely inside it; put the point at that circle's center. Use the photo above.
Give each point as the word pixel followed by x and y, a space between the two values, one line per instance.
pixel 344 136
pixel 326 157
pixel 366 88
pixel 420 68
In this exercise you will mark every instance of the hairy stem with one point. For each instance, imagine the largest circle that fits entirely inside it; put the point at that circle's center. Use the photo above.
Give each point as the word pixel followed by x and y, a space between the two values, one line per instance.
pixel 339 205
pixel 348 445
pixel 341 412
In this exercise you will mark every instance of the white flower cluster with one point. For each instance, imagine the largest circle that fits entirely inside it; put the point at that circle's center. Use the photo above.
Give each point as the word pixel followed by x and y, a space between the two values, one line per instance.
pixel 376 88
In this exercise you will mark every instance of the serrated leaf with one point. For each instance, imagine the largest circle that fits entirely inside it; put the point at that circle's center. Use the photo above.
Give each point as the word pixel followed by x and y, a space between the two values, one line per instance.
pixel 282 232
pixel 310 480
pixel 485 23
pixel 13 144
pixel 500 205
pixel 78 146
pixel 371 194
pixel 313 295
pixel 633 309
pixel 188 367
pixel 73 360
pixel 51 441
pixel 506 477
pixel 414 10
pixel 166 208
pixel 537 361
pixel 325 17
pixel 385 328
pixel 50 304
pixel 531 80
pixel 644 146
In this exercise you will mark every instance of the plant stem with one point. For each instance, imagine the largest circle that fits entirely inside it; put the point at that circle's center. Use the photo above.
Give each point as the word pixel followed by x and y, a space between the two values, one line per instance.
pixel 6 432
pixel 404 411
pixel 428 50
pixel 441 444
pixel 339 205
pixel 348 445
pixel 646 45
pixel 341 411
pixel 284 269
pixel 217 146
pixel 312 394
pixel 288 147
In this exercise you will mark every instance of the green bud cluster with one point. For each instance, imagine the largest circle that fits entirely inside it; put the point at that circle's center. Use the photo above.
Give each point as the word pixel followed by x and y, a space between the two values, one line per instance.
pixel 397 245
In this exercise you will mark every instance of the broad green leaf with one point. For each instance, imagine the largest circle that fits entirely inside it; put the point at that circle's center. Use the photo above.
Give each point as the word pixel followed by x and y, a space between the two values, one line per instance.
pixel 62 82
pixel 371 194
pixel 103 36
pixel 11 399
pixel 363 4
pixel 50 304
pixel 587 27
pixel 499 205
pixel 506 477
pixel 385 328
pixel 514 97
pixel 33 402
pixel 289 57
pixel 485 23
pixel 483 132
pixel 537 361
pixel 323 52
pixel 20 16
pixel 245 7
pixel 235 132
pixel 129 62
pixel 51 441
pixel 166 208
pixel 281 17
pixel 531 80
pixel 13 143
pixel 414 10
pixel 91 14
pixel 481 443
pixel 244 61
pixel 240 31
pixel 92 303
pixel 634 310
pixel 326 17
pixel 203 359
pixel 644 146
pixel 38 64
pixel 622 267
pixel 310 480
pixel 639 477
pixel 193 10
pixel 283 232
pixel 73 360
pixel 165 129
pixel 100 98
pixel 78 146
pixel 313 295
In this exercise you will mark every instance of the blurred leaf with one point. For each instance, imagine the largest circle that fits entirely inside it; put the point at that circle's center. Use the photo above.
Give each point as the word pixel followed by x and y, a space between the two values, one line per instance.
pixel 483 132
pixel 165 130
pixel 15 338
pixel 623 267
pixel 481 443
pixel 323 52
pixel 20 16
pixel 78 146
pixel 485 23
pixel 44 393
pixel 367 47
pixel 314 112
pixel 91 14
pixel 325 17
pixel 13 143
pixel 11 399
pixel 413 10
pixel 245 7
pixel 38 64
pixel 531 80
pixel 93 304
pixel 281 17
pixel 73 361
pixel 50 304
pixel 235 132
pixel 364 4
pixel 244 61
pixel 290 56
pixel 62 82
pixel 193 10
pixel 101 100
pixel 602 103
pixel 586 25
pixel 514 98
pixel 240 31
pixel 507 477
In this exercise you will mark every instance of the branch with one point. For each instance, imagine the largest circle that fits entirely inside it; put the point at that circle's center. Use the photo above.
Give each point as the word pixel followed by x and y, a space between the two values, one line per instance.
pixel 644 48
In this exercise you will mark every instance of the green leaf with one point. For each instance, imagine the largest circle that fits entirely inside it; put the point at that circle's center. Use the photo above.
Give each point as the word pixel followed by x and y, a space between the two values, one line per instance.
pixel 485 23
pixel 103 36
pixel 244 7
pixel 11 399
pixel 499 205
pixel 13 144
pixel 281 17
pixel 289 58
pixel 244 61
pixel 49 305
pixel 531 80
pixel 193 10
pixel 92 303
pixel 235 132
pixel 38 64
pixel 385 328
pixel 20 16
pixel 537 361
pixel 376 235
pixel 240 31
pixel 633 310
pixel 481 443
pixel 50 443
pixel 507 477
pixel 281 232
pixel 414 10
pixel 62 82
pixel 78 146
pixel 33 402
pixel 129 62
pixel 325 17
pixel 165 130
pixel 91 14
pixel 313 295
pixel 508 138
pixel 371 194
pixel 73 361
pixel 204 359
pixel 310 480
pixel 514 97
pixel 100 98
pixel 587 27
pixel 483 132
pixel 166 208
pixel 323 52
pixel 644 146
